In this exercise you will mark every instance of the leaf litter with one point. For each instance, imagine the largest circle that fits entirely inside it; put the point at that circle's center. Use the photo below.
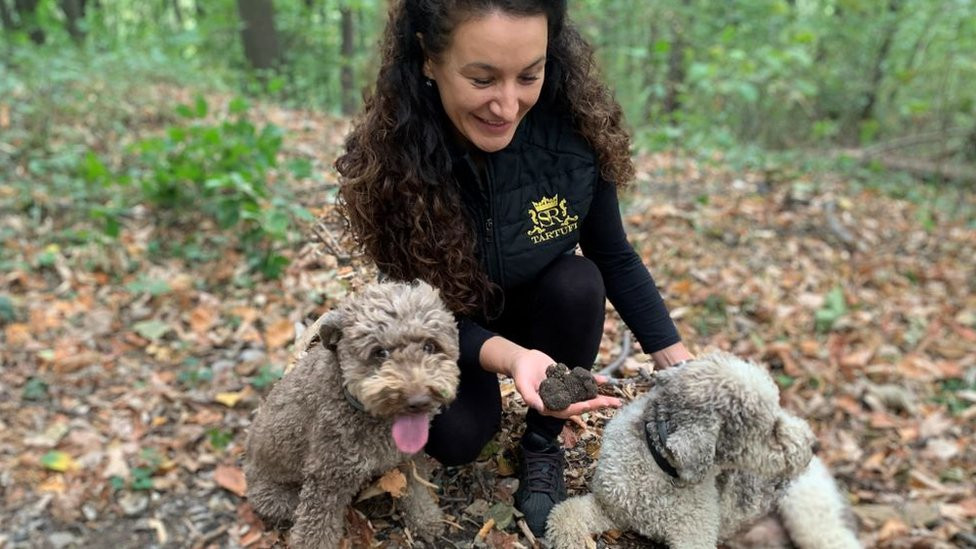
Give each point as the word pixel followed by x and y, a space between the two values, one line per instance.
pixel 128 381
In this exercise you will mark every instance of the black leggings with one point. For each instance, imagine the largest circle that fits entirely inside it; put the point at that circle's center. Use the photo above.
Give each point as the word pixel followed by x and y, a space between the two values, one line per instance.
pixel 561 313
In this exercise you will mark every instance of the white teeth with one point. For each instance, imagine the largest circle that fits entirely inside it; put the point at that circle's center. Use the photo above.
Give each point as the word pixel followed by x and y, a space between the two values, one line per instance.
pixel 492 123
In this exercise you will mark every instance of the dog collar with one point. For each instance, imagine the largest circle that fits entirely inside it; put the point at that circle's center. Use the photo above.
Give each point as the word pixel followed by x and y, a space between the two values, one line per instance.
pixel 352 400
pixel 662 434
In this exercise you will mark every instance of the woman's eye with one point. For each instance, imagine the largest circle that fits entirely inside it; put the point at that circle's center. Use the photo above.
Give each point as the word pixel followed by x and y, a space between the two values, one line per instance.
pixel 529 79
pixel 380 353
pixel 430 348
pixel 481 81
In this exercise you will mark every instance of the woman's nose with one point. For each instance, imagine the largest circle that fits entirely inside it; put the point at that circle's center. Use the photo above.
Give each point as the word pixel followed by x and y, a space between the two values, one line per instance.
pixel 505 106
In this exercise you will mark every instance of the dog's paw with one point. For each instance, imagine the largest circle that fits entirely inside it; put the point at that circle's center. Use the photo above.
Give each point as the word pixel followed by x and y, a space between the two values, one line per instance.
pixel 427 524
pixel 316 533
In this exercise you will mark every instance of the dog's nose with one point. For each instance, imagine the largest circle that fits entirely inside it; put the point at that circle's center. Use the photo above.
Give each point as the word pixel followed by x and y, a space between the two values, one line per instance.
pixel 418 403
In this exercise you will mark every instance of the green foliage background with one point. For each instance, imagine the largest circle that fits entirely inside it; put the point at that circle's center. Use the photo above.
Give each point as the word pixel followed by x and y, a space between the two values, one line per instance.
pixel 77 112
pixel 780 73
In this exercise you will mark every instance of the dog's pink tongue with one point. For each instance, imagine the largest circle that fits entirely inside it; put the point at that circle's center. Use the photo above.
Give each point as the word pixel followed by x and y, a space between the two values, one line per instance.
pixel 410 432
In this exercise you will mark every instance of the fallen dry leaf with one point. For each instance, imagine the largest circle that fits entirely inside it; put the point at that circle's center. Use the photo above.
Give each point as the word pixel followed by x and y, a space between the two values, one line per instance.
pixel 279 333
pixel 17 334
pixel 231 479
pixel 485 528
pixel 359 528
pixel 59 461
pixel 231 398
pixel 892 529
pixel 570 438
pixel 393 482
pixel 202 318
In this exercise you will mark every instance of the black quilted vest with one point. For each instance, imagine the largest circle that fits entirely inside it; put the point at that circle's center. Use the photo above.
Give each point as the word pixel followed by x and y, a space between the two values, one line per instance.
pixel 528 200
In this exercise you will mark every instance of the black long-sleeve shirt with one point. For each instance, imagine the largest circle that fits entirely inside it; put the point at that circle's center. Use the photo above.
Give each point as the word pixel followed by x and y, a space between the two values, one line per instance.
pixel 629 285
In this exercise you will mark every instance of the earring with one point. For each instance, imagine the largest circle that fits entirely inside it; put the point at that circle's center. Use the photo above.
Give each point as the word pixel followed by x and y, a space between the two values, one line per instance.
pixel 429 82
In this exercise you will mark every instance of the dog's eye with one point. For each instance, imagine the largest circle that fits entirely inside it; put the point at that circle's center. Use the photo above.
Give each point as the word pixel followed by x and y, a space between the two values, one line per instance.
pixel 430 347
pixel 380 353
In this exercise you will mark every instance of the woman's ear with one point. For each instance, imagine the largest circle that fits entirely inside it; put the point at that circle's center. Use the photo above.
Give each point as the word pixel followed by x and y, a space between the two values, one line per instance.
pixel 428 72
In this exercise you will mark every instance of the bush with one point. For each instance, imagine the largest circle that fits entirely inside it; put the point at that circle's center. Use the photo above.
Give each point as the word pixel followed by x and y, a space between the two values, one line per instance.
pixel 217 171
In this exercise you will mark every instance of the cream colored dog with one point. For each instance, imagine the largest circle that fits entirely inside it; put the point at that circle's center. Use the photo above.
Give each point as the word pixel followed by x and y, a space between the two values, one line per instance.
pixel 707 450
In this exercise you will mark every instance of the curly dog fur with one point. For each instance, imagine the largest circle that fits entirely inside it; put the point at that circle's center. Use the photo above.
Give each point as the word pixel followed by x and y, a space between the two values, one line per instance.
pixel 717 423
pixel 357 404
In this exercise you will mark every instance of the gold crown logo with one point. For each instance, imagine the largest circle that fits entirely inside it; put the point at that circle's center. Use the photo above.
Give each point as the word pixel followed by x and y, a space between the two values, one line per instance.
pixel 546 203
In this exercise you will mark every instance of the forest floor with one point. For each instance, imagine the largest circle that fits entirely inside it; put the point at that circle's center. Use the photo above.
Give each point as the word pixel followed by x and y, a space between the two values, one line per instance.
pixel 128 380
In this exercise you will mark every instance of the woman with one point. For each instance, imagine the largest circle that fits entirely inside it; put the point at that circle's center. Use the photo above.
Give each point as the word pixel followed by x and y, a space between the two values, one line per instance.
pixel 486 154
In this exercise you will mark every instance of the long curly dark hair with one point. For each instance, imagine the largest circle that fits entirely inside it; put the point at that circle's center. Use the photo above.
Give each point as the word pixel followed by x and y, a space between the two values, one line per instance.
pixel 398 196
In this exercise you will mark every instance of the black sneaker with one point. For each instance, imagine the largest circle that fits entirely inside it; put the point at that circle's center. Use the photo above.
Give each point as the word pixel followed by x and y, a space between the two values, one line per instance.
pixel 541 483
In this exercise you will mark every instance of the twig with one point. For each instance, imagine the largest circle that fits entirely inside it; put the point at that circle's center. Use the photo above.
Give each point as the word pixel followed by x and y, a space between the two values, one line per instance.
pixel 835 226
pixel 449 542
pixel 918 167
pixel 913 140
pixel 452 523
pixel 210 536
pixel 421 480
pixel 527 532
pixel 625 346
pixel 328 240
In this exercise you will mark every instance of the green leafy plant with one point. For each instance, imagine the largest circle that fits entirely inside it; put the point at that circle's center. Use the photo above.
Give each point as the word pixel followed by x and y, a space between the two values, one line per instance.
pixel 193 374
pixel 219 438
pixel 948 395
pixel 7 311
pixel 153 286
pixel 34 389
pixel 834 307
pixel 142 478
pixel 266 376
pixel 218 171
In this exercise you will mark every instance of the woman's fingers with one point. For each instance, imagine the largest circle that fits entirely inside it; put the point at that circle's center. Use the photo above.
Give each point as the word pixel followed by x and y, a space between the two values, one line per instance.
pixel 578 408
pixel 530 395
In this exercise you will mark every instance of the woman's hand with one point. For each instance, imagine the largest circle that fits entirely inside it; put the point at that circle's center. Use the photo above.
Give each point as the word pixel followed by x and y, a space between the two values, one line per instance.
pixel 529 369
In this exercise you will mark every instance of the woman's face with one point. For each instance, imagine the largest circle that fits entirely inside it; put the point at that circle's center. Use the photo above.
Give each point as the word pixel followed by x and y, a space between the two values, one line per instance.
pixel 491 75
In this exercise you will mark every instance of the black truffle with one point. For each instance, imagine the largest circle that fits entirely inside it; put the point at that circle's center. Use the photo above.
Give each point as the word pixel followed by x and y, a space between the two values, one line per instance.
pixel 563 387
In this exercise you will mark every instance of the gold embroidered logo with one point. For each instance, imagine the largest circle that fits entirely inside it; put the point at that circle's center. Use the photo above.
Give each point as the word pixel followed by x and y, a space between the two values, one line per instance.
pixel 550 219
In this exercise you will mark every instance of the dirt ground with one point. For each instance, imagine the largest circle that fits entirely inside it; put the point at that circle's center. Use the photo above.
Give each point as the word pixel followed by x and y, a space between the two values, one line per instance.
pixel 128 381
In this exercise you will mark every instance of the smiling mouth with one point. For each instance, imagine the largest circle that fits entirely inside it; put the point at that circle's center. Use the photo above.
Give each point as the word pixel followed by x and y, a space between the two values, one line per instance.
pixel 493 126
pixel 490 123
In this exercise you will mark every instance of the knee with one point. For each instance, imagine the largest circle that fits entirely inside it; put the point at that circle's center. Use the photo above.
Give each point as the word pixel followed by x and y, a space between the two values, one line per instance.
pixel 457 450
pixel 453 443
pixel 573 284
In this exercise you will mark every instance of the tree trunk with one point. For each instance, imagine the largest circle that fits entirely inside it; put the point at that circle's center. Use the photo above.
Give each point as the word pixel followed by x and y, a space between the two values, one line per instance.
pixel 348 47
pixel 675 78
pixel 261 45
pixel 877 74
pixel 969 147
pixel 177 12
pixel 5 17
pixel 27 13
pixel 649 76
pixel 73 13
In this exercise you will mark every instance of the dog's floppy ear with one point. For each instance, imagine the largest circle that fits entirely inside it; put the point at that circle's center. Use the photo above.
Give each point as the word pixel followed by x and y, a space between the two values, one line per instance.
pixel 792 436
pixel 692 446
pixel 330 329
